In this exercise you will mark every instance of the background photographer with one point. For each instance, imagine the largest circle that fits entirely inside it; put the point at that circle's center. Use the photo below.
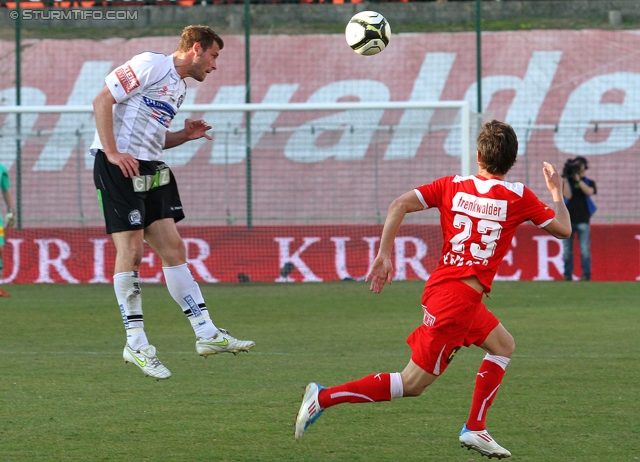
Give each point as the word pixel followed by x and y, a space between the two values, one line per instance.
pixel 577 189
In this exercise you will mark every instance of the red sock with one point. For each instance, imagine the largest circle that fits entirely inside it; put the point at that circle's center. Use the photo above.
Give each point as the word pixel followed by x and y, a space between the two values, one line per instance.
pixel 487 383
pixel 366 390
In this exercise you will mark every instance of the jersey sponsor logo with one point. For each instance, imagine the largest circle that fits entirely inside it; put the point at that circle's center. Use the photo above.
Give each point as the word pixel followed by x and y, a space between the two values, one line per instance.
pixel 161 111
pixel 161 119
pixel 480 207
pixel 127 78
pixel 161 106
pixel 428 319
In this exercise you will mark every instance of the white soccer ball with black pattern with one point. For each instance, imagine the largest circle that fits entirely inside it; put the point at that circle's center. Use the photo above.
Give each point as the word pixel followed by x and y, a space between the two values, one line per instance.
pixel 368 33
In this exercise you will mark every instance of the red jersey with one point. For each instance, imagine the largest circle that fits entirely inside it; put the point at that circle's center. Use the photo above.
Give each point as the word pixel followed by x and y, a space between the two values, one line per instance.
pixel 479 217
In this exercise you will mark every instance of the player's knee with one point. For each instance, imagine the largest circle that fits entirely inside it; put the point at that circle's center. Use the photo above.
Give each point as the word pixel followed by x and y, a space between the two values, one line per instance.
pixel 174 255
pixel 507 345
pixel 135 259
pixel 511 345
pixel 499 343
pixel 132 255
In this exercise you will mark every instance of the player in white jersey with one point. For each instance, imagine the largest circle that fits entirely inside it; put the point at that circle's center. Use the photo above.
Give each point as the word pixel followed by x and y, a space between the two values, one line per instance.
pixel 138 192
pixel 479 215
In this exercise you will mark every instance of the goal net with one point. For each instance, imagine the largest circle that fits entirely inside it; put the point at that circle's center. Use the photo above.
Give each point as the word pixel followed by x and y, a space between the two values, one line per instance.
pixel 290 192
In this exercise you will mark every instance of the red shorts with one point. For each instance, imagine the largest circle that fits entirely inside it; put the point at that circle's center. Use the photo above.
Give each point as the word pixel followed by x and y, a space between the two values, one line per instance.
pixel 454 316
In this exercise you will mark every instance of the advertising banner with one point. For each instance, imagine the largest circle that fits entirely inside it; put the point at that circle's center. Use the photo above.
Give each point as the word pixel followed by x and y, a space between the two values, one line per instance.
pixel 304 254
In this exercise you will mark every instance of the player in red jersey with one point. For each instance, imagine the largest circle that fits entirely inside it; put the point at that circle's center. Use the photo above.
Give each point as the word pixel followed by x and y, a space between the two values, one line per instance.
pixel 479 215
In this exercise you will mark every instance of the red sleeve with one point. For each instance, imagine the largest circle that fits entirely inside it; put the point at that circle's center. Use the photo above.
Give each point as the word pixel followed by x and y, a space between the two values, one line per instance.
pixel 540 214
pixel 431 194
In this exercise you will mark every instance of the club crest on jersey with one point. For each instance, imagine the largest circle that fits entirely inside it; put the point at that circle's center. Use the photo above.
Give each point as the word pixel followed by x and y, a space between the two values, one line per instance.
pixel 135 217
pixel 480 207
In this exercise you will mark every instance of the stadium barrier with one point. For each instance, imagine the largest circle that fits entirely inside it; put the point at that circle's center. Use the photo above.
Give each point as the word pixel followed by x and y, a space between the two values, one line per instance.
pixel 232 254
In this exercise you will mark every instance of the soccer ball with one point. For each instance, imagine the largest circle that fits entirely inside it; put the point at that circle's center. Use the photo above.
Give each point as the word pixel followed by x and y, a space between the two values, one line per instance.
pixel 368 33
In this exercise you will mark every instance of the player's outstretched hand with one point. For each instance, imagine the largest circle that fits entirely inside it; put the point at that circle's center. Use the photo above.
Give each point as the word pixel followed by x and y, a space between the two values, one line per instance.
pixel 554 182
pixel 195 129
pixel 381 273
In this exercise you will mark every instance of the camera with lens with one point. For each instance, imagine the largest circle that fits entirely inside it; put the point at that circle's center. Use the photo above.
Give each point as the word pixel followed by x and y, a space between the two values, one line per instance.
pixel 571 168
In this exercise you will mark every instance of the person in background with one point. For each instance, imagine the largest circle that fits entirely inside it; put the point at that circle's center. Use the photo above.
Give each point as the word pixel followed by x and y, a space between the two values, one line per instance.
pixel 577 191
pixel 10 217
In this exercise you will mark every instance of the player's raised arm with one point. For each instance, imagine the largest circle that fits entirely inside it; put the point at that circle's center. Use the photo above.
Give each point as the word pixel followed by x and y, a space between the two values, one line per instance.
pixel 560 226
pixel 382 270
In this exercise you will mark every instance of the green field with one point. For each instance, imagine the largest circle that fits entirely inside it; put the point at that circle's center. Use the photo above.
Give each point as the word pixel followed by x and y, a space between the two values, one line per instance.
pixel 570 393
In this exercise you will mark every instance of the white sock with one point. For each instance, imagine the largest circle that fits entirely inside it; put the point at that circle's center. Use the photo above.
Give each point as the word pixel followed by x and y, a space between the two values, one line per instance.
pixel 136 338
pixel 186 292
pixel 501 361
pixel 397 388
pixel 127 289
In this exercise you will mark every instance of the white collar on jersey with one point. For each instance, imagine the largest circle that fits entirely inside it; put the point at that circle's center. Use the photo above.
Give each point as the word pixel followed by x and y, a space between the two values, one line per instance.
pixel 483 186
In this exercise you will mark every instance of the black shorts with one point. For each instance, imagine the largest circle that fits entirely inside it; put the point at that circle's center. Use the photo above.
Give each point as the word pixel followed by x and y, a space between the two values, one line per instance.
pixel 124 208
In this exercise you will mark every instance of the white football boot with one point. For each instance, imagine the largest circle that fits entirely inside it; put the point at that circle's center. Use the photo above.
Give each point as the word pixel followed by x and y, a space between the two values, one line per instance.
pixel 482 442
pixel 147 360
pixel 222 342
pixel 310 409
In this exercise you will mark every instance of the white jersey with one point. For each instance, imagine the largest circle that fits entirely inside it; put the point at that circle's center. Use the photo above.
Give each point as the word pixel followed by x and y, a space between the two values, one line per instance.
pixel 148 92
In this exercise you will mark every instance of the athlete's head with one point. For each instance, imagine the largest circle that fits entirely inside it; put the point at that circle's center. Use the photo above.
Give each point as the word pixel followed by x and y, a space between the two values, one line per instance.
pixel 498 147
pixel 200 47
pixel 203 35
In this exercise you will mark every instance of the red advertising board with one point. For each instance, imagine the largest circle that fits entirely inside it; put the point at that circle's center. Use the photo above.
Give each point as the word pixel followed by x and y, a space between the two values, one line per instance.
pixel 303 254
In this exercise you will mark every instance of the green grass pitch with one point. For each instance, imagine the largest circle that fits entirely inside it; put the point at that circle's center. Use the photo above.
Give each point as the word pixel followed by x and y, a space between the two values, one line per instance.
pixel 570 392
